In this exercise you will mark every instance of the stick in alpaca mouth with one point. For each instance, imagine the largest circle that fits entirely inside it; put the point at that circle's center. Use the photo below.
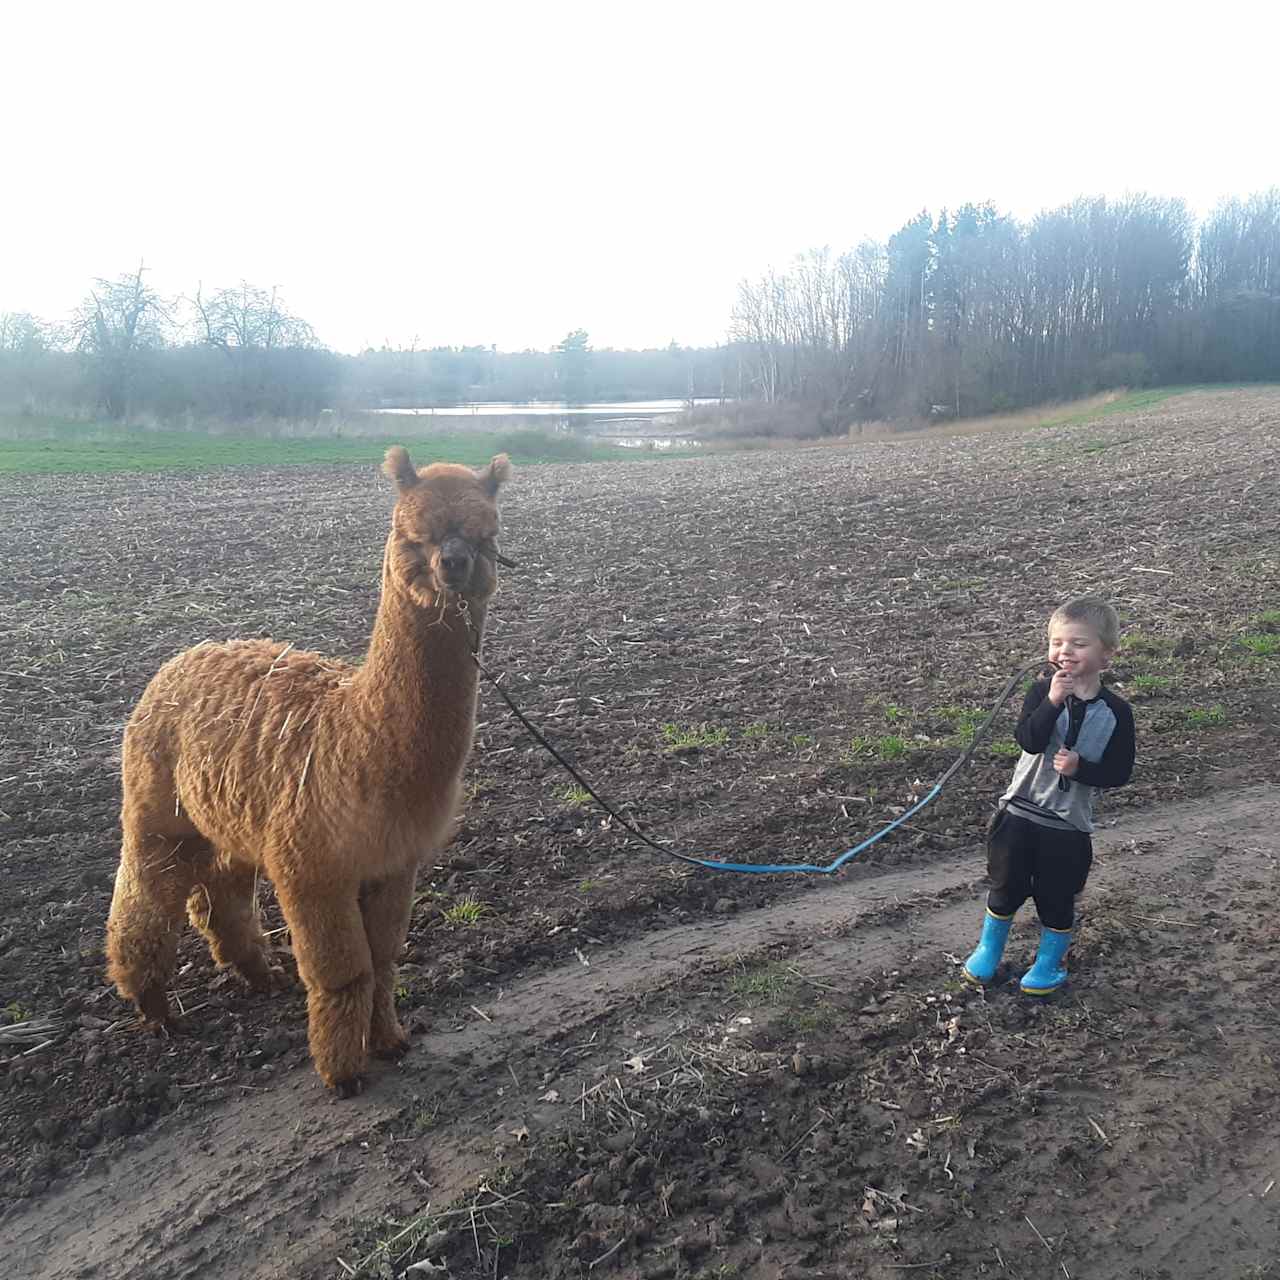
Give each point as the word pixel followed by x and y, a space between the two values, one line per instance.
pixel 251 758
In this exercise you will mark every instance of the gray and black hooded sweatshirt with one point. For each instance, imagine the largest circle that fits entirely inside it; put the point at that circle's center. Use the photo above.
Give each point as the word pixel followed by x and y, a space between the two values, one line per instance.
pixel 1100 729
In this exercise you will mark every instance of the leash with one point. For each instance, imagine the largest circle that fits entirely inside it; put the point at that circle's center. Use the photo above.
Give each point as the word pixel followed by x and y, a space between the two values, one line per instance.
pixel 747 868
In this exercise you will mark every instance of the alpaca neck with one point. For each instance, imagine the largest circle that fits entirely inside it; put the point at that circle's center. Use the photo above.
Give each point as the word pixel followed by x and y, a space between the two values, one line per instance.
pixel 417 689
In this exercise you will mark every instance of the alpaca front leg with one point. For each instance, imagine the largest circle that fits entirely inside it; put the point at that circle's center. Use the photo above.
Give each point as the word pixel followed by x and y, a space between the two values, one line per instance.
pixel 386 907
pixel 147 907
pixel 337 1031
pixel 333 960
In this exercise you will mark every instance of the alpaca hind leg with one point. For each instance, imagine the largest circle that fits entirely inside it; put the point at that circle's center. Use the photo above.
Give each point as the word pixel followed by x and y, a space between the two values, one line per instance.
pixel 223 906
pixel 386 907
pixel 147 907
pixel 333 959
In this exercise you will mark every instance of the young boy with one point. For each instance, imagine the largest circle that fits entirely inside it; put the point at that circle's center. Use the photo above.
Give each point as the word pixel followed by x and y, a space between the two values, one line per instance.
pixel 1076 738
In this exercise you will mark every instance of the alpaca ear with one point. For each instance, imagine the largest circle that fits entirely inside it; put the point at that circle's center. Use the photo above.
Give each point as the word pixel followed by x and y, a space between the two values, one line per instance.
pixel 396 466
pixel 497 473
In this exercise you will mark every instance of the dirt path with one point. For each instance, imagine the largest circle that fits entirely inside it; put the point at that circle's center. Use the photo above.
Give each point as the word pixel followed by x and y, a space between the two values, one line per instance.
pixel 266 1184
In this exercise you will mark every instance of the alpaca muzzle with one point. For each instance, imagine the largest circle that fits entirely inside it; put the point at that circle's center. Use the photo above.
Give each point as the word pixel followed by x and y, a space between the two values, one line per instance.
pixel 456 559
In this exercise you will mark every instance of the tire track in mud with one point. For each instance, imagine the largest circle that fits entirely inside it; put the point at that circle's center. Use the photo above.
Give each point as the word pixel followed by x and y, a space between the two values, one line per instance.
pixel 1239 1205
pixel 266 1186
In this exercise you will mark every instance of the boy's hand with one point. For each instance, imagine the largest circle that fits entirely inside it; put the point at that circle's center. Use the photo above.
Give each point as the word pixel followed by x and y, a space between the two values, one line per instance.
pixel 1063 683
pixel 1067 762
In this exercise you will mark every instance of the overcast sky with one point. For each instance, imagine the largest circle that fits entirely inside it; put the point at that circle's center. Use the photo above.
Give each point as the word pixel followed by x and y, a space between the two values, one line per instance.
pixel 503 173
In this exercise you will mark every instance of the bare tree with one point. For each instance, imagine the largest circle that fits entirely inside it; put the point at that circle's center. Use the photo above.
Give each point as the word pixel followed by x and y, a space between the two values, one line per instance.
pixel 257 335
pixel 759 322
pixel 31 367
pixel 21 332
pixel 119 321
pixel 573 365
pixel 249 318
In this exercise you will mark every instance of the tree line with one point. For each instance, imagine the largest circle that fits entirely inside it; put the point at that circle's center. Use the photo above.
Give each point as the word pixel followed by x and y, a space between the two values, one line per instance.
pixel 973 311
pixel 240 355
pixel 967 312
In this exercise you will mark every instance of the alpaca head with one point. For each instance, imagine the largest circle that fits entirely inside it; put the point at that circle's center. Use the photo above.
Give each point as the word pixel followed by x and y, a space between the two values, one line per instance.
pixel 444 527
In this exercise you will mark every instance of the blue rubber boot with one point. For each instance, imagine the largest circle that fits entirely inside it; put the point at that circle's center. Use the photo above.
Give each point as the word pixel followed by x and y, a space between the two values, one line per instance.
pixel 1050 969
pixel 982 965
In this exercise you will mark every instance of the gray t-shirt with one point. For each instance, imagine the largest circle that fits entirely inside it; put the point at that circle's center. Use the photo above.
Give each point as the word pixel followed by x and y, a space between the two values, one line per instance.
pixel 1100 729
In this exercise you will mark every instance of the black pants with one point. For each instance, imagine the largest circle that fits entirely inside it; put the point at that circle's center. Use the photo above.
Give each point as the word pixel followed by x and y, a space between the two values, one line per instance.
pixel 1026 860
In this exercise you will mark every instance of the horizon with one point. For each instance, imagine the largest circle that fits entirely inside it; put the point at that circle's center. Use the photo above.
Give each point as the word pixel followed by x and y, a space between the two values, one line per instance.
pixel 542 175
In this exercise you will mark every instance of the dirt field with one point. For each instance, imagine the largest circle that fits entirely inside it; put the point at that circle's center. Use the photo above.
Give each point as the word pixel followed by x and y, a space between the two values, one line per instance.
pixel 624 1067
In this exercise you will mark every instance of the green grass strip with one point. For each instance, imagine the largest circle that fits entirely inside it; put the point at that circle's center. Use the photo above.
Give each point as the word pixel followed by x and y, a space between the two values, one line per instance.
pixel 81 449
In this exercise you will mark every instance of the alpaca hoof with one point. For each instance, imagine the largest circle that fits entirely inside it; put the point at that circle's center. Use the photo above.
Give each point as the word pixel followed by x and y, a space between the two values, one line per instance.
pixel 350 1087
pixel 393 1049
pixel 161 1028
pixel 153 1005
pixel 266 980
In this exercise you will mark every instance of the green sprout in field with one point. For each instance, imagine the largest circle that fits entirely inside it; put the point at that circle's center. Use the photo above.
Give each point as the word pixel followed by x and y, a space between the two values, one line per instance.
pixel 1206 717
pixel 686 737
pixel 1143 644
pixel 964 721
pixel 475 787
pixel 810 1019
pixel 756 732
pixel 574 797
pixel 764 983
pixel 1261 645
pixel 1152 684
pixel 466 912
pixel 890 746
pixel 425 1116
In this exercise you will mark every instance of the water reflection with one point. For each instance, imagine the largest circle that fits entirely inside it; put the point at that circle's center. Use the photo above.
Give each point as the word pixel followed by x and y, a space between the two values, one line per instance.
pixel 639 409
pixel 631 424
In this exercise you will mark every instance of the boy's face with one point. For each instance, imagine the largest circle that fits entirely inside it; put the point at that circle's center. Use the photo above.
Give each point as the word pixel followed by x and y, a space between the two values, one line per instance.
pixel 1077 648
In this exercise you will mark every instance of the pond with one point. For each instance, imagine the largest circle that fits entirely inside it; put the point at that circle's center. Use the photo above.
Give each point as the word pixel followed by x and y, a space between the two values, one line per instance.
pixel 639 409
pixel 650 424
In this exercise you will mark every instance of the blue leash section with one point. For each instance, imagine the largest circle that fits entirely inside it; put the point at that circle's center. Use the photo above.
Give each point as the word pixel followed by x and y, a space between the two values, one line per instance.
pixel 766 868
pixel 811 868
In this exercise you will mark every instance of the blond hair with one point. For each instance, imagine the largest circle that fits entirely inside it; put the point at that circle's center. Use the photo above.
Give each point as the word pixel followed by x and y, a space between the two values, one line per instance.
pixel 1096 613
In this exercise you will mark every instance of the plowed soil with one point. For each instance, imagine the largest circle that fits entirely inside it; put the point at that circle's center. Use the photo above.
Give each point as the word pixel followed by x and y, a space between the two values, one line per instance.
pixel 624 1066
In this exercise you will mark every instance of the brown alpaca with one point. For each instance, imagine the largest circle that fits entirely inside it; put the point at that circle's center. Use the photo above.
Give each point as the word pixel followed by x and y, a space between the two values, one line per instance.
pixel 334 781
